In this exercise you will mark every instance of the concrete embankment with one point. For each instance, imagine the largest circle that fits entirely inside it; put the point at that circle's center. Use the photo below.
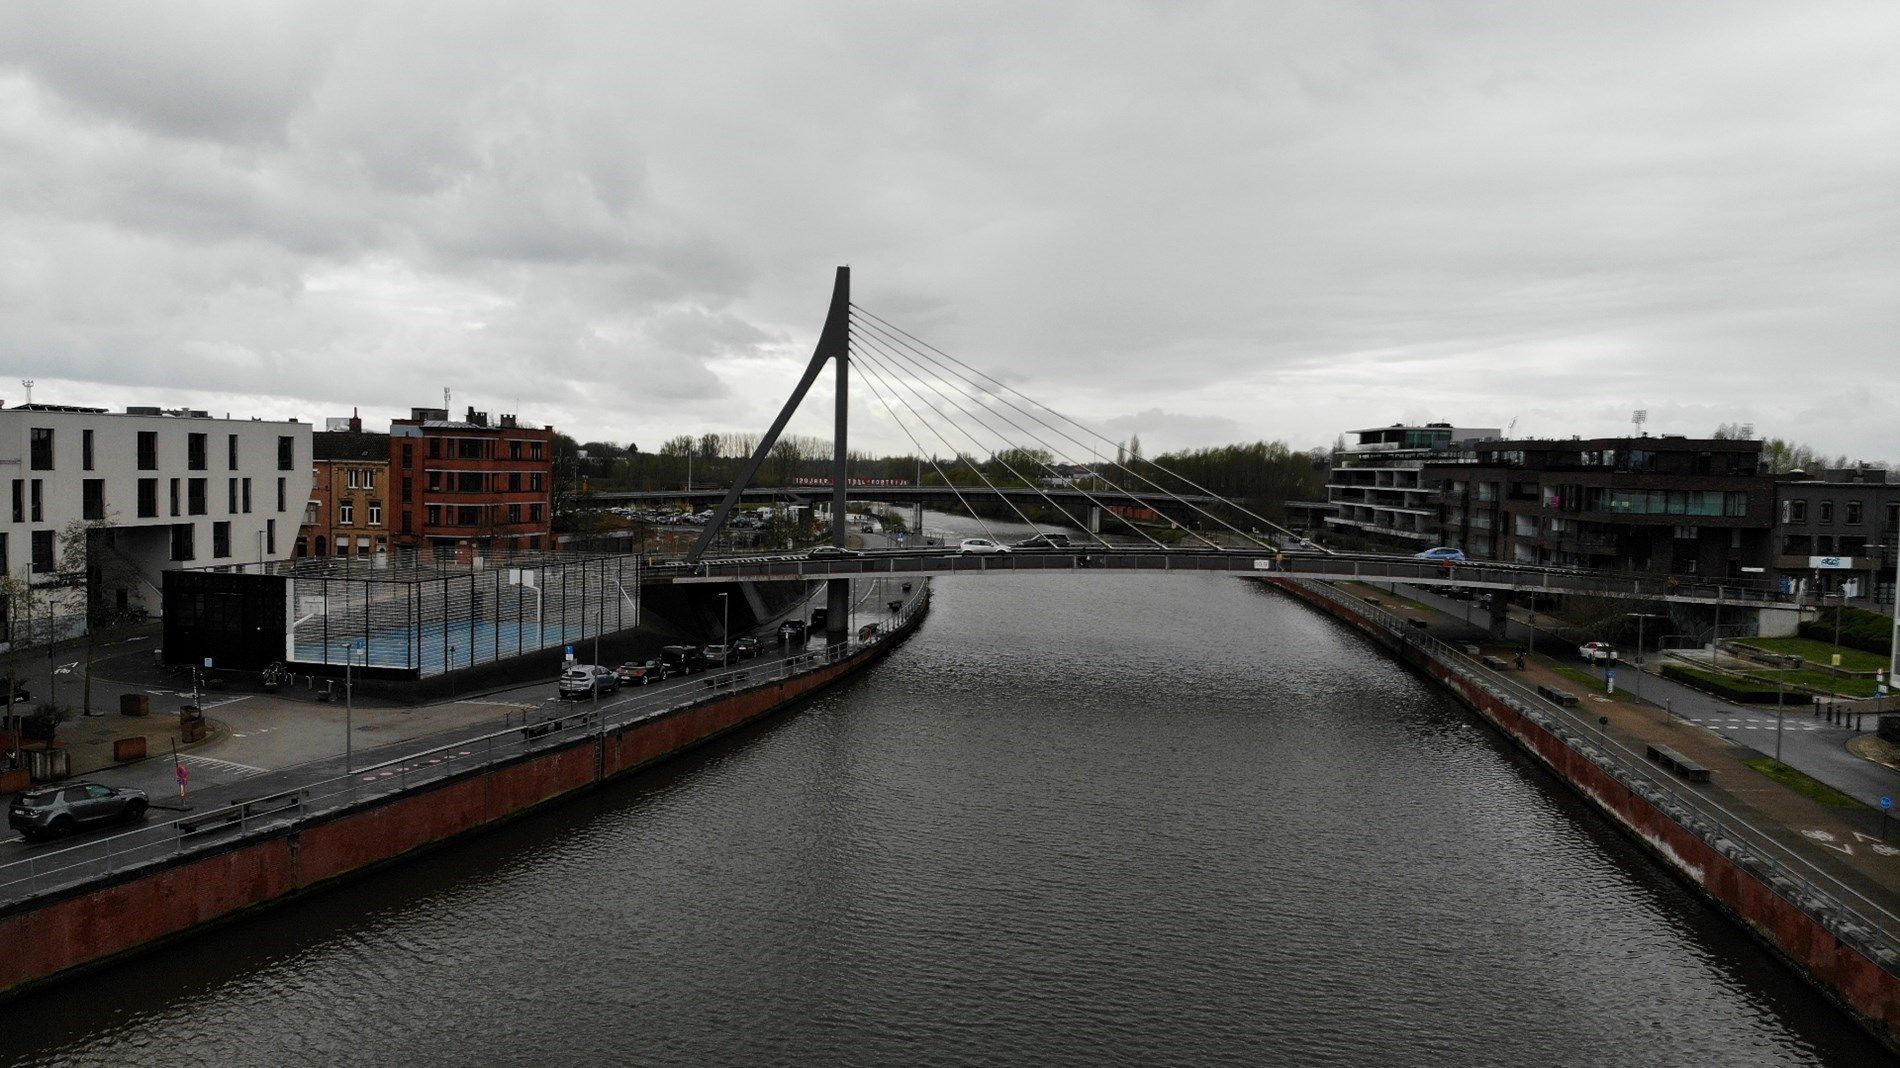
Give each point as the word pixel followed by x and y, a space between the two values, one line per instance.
pixel 1831 934
pixel 77 927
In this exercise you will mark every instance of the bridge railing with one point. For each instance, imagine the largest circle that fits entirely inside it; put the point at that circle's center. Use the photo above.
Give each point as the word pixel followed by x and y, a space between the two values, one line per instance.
pixel 1846 911
pixel 301 793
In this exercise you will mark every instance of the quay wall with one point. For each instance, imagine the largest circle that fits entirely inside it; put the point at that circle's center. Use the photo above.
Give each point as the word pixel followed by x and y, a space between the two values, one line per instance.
pixel 1851 978
pixel 137 910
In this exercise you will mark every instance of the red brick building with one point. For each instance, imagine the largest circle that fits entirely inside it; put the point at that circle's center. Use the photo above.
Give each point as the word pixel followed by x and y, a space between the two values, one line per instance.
pixel 471 483
pixel 349 488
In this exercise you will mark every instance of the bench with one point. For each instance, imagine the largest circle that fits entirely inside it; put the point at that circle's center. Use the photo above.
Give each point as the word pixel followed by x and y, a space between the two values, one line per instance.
pixel 1675 762
pixel 1556 696
pixel 1496 663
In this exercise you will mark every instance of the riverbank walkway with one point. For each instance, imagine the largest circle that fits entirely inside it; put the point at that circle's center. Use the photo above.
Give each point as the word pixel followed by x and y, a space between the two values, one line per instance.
pixel 1843 838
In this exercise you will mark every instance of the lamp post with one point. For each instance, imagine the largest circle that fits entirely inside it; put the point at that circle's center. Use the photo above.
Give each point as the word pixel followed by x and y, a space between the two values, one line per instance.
pixel 1640 617
pixel 349 709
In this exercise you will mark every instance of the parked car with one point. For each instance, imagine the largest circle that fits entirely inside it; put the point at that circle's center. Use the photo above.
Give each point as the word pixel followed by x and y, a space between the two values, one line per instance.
pixel 587 680
pixel 823 551
pixel 792 631
pixel 57 811
pixel 819 617
pixel 1443 554
pixel 1044 541
pixel 1597 652
pixel 980 545
pixel 716 655
pixel 680 659
pixel 642 672
pixel 746 647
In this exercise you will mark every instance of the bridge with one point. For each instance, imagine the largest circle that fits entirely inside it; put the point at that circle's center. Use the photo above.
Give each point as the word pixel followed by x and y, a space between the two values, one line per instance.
pixel 910 377
pixel 1322 566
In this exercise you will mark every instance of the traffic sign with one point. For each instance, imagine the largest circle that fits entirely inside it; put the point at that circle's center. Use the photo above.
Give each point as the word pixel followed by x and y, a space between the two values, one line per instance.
pixel 207 661
pixel 1886 802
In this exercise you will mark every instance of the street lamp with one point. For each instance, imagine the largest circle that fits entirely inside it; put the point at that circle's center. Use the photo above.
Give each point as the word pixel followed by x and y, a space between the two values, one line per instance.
pixel 1640 617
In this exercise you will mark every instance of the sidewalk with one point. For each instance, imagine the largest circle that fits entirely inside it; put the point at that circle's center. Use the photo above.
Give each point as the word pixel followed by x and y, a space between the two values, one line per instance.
pixel 1845 842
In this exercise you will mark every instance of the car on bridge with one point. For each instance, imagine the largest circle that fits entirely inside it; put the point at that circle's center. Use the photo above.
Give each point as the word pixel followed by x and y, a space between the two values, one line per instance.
pixel 824 551
pixel 792 630
pixel 980 545
pixel 57 811
pixel 680 659
pixel 587 680
pixel 717 655
pixel 1044 540
pixel 746 648
pixel 1597 652
pixel 1444 554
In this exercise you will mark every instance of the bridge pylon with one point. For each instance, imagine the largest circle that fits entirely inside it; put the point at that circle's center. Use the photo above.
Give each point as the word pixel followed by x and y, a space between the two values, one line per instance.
pixel 833 346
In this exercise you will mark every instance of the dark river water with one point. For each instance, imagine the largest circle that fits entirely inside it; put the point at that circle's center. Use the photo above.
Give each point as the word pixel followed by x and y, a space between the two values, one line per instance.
pixel 1137 820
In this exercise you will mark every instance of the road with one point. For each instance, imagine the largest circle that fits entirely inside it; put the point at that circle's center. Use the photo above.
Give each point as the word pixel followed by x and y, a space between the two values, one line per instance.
pixel 1808 744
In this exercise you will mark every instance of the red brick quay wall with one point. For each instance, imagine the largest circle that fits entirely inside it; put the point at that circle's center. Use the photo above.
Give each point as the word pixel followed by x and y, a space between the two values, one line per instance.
pixel 1799 923
pixel 63 933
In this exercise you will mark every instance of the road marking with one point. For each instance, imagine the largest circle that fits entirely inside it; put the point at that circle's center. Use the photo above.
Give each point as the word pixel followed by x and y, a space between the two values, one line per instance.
pixel 229 766
pixel 1887 851
pixel 501 704
pixel 1865 837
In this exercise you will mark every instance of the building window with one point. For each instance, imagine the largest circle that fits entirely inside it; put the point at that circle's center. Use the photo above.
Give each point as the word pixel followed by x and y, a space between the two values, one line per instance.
pixel 514 450
pixel 468 515
pixel 1854 513
pixel 148 498
pixel 408 489
pixel 435 448
pixel 1827 511
pixel 286 453
pixel 346 514
pixel 247 496
pixel 534 513
pixel 534 450
pixel 42 552
pixel 230 452
pixel 534 481
pixel 281 487
pixel 195 496
pixel 19 500
pixel 41 448
pixel 369 478
pixel 432 515
pixel 195 452
pixel 1797 511
pixel 183 535
pixel 470 448
pixel 220 540
pixel 92 498
pixel 39 500
pixel 230 496
pixel 270 537
pixel 310 514
pixel 349 476
pixel 514 513
pixel 408 455
pixel 514 482
pixel 148 450
pixel 375 513
pixel 85 450
pixel 468 482
pixel 176 510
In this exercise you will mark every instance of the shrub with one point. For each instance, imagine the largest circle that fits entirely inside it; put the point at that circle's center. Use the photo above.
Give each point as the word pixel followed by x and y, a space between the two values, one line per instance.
pixel 1860 629
pixel 1719 685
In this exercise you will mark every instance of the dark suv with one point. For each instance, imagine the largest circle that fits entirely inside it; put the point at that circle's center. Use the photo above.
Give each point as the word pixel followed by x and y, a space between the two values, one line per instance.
pixel 57 811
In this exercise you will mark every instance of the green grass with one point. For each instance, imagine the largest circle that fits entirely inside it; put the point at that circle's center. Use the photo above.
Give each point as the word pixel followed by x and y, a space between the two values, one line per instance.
pixel 1818 652
pixel 1802 784
pixel 1593 683
pixel 1819 680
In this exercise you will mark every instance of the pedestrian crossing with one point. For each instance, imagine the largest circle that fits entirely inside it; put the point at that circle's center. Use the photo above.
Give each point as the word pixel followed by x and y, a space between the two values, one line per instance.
pixel 228 768
pixel 1737 725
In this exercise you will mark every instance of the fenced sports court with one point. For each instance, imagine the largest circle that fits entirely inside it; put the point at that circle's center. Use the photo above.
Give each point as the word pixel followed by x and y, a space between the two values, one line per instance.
pixel 430 613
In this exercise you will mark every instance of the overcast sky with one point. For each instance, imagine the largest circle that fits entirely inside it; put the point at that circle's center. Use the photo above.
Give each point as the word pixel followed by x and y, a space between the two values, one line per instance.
pixel 1199 222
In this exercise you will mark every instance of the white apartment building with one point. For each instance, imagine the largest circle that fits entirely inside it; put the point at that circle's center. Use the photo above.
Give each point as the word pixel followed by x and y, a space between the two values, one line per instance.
pixel 99 503
pixel 1378 483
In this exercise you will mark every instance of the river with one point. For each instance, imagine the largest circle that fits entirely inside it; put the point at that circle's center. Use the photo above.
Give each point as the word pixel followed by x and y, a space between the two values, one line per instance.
pixel 1120 819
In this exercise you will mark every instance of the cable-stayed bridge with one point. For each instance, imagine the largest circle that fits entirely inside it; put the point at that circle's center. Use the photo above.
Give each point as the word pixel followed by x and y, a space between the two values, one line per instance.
pixel 945 406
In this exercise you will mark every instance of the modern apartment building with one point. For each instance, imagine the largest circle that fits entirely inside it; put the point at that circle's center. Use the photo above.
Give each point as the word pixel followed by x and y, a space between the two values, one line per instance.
pixel 347 514
pixel 1836 532
pixel 100 503
pixel 470 482
pixel 1673 505
pixel 1376 485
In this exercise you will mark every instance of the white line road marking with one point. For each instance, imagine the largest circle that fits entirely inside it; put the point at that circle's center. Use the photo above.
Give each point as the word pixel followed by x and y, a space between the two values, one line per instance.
pixel 242 770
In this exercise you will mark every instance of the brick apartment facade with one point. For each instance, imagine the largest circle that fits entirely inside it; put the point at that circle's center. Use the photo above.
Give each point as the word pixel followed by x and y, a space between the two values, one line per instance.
pixel 348 510
pixel 467 482
pixel 1667 505
pixel 1837 532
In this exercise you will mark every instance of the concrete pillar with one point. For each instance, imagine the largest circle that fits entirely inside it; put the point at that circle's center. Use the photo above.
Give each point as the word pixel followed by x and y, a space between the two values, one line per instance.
pixel 1498 604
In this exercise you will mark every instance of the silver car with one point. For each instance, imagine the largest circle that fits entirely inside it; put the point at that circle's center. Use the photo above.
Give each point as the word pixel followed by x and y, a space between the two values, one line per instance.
pixel 586 680
pixel 57 811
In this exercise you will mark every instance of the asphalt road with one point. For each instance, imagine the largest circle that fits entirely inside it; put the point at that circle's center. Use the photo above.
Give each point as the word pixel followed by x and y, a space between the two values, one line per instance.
pixel 1810 745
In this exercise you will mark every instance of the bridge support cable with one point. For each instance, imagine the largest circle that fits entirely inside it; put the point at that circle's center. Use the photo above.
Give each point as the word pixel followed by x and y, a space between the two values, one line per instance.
pixel 931 381
pixel 932 378
pixel 967 461
pixel 908 379
pixel 985 396
pixel 995 385
pixel 869 380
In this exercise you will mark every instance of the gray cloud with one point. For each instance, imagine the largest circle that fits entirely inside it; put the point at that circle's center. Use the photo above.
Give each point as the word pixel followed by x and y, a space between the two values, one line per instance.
pixel 1267 220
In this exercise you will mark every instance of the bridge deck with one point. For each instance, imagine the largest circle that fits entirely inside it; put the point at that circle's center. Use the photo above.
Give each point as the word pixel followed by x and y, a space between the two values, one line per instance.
pixel 1341 568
